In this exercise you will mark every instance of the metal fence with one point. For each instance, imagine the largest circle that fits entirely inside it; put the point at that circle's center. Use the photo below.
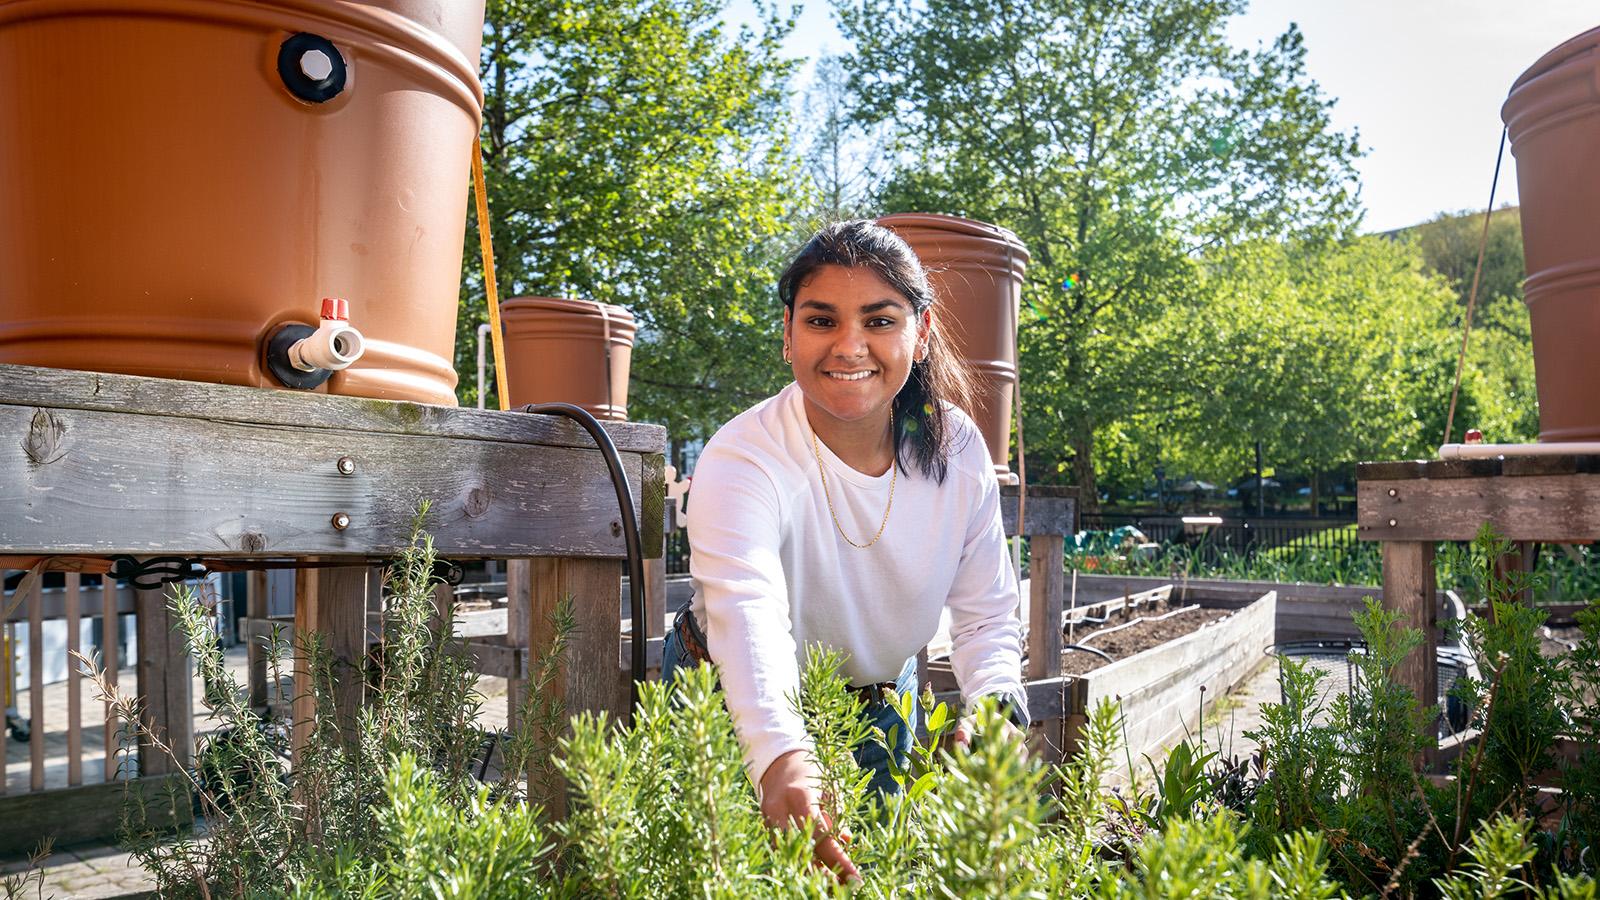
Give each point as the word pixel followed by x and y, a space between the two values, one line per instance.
pixel 1243 535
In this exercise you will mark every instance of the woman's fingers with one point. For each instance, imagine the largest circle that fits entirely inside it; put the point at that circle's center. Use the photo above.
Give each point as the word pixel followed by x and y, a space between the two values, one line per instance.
pixel 828 853
pixel 964 731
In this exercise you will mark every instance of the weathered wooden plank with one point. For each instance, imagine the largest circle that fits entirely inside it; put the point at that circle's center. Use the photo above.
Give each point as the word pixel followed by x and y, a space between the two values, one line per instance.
pixel 1046 697
pixel 90 812
pixel 1548 508
pixel 111 651
pixel 1408 587
pixel 519 600
pixel 164 686
pixel 138 484
pixel 1050 510
pixel 652 505
pixel 1046 592
pixel 1160 691
pixel 332 603
pixel 67 389
pixel 655 598
pixel 255 609
pixel 37 726
pixel 74 701
pixel 590 681
pixel 1398 470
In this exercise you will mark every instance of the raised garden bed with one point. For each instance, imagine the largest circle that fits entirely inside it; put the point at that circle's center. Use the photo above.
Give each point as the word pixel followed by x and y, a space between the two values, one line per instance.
pixel 1170 668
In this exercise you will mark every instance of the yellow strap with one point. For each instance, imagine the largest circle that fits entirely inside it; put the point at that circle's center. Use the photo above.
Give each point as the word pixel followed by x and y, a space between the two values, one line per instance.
pixel 491 293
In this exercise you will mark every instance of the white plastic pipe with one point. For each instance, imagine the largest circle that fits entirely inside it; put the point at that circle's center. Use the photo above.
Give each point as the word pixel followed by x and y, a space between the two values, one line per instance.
pixel 1489 451
pixel 483 359
pixel 333 346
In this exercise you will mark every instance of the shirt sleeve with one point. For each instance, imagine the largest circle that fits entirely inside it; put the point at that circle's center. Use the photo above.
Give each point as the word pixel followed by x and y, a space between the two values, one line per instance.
pixel 738 573
pixel 985 631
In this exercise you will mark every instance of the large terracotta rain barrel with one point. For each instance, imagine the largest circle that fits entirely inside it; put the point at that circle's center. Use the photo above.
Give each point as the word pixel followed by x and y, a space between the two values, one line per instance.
pixel 1553 119
pixel 569 351
pixel 180 177
pixel 976 270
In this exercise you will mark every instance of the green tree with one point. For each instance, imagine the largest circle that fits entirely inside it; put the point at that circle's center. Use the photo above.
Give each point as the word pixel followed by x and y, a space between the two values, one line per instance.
pixel 1498 374
pixel 1326 352
pixel 1118 138
pixel 638 154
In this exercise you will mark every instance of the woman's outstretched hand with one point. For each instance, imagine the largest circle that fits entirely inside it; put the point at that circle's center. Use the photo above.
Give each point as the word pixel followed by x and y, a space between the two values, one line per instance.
pixel 790 797
pixel 966 728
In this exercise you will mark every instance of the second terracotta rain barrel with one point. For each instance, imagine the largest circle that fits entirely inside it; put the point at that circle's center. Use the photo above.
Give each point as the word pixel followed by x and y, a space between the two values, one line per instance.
pixel 569 351
pixel 1553 120
pixel 977 271
pixel 179 177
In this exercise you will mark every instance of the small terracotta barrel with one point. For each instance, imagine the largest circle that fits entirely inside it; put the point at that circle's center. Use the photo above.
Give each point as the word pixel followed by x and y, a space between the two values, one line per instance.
pixel 180 177
pixel 977 271
pixel 1553 120
pixel 569 351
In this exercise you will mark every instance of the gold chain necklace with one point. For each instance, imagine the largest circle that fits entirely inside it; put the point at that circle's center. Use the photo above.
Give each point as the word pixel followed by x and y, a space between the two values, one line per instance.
pixel 894 474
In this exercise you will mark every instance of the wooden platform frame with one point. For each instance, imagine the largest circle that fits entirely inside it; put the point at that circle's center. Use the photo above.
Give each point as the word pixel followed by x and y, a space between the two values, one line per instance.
pixel 99 465
pixel 1409 506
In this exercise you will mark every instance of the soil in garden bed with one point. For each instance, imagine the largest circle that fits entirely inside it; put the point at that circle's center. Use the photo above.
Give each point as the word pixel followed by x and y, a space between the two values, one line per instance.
pixel 1125 642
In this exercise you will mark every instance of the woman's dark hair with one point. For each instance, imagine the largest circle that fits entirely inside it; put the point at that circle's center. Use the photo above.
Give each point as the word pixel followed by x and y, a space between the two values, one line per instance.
pixel 941 377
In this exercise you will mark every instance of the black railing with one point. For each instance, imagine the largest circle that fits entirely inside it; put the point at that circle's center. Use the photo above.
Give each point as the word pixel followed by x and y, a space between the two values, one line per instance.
pixel 677 552
pixel 1242 535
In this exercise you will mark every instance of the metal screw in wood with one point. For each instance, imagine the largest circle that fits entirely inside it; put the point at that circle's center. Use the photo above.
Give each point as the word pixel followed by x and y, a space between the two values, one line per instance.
pixel 347 466
pixel 341 521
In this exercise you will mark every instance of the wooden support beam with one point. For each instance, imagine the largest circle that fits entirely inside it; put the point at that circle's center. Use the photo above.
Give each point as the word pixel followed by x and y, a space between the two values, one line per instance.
pixel 1408 587
pixel 519 600
pixel 111 659
pixel 89 812
pixel 37 727
pixel 110 489
pixel 164 686
pixel 332 603
pixel 74 701
pixel 1552 509
pixel 1050 510
pixel 255 607
pixel 590 680
pixel 1047 588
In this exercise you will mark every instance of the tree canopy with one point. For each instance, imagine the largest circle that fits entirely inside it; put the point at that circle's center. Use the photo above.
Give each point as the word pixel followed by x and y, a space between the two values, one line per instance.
pixel 638 153
pixel 1120 139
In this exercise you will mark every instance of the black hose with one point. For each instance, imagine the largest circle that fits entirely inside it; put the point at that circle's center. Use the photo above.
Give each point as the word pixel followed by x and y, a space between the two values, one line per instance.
pixel 630 529
pixel 1100 653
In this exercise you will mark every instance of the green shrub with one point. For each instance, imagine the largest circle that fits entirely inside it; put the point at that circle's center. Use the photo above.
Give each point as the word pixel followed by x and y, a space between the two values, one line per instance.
pixel 662 807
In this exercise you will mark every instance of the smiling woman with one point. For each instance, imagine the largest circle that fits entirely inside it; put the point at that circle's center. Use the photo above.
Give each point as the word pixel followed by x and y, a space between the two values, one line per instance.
pixel 850 511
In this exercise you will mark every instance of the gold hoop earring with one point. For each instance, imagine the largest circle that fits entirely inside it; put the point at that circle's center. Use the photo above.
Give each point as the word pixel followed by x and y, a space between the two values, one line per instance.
pixel 786 354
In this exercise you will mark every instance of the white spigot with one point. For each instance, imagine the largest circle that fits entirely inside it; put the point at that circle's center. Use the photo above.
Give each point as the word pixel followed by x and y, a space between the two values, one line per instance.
pixel 334 345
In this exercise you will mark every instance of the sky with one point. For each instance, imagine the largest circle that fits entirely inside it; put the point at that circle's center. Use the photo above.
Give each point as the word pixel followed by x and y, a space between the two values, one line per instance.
pixel 1422 82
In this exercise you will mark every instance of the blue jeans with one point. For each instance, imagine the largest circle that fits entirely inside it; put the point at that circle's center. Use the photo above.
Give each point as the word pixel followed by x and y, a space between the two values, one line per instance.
pixel 872 755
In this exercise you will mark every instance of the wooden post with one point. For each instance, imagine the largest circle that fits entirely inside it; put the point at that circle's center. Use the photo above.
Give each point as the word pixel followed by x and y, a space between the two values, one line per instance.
pixel 74 612
pixel 255 610
pixel 36 723
pixel 1516 564
pixel 655 600
pixel 164 685
pixel 592 679
pixel 1408 586
pixel 518 605
pixel 1047 583
pixel 111 652
pixel 331 602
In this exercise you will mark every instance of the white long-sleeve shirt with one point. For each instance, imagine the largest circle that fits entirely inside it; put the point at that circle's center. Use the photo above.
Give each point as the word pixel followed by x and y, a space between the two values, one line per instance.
pixel 772 575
